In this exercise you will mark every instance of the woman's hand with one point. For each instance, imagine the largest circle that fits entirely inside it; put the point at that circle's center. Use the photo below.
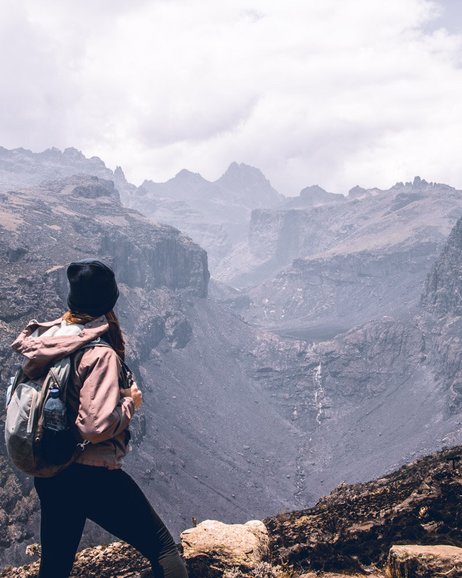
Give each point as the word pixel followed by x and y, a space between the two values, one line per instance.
pixel 135 393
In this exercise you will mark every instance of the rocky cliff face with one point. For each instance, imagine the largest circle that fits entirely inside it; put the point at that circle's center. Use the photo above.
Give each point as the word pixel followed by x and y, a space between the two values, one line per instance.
pixel 201 440
pixel 382 392
pixel 317 271
pixel 215 214
pixel 442 294
pixel 41 231
pixel 441 317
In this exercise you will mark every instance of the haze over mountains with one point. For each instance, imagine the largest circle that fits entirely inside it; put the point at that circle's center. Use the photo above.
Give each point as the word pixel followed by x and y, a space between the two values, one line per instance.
pixel 240 421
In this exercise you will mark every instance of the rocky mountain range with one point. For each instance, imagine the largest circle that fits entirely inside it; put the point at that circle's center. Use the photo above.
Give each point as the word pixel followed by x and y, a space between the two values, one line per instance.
pixel 215 214
pixel 317 271
pixel 205 452
pixel 238 421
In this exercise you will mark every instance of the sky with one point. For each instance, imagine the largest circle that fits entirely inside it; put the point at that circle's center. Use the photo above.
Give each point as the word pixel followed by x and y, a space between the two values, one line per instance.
pixel 334 92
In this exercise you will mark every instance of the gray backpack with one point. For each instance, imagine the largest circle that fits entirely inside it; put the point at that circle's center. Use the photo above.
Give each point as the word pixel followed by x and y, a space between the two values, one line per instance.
pixel 33 449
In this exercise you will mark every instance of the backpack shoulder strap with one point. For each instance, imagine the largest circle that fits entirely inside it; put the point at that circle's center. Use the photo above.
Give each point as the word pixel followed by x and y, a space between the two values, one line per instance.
pixel 126 373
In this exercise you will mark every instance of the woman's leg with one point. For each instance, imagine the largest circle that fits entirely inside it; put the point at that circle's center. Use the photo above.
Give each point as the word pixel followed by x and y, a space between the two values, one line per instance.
pixel 61 524
pixel 118 505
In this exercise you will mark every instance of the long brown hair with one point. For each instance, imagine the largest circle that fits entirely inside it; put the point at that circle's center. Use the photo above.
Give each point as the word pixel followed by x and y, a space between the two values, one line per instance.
pixel 113 334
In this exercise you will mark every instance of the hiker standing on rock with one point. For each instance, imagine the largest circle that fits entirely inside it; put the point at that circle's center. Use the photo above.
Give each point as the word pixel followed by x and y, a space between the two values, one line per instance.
pixel 101 405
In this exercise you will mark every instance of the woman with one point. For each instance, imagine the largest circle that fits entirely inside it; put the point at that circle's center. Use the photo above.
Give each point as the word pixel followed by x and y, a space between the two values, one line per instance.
pixel 94 486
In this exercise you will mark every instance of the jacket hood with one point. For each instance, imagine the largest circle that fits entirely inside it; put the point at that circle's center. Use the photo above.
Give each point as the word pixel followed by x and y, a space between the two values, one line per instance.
pixel 43 350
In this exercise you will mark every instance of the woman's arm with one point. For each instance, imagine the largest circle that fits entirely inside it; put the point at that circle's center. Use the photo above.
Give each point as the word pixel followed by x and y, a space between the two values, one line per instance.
pixel 103 413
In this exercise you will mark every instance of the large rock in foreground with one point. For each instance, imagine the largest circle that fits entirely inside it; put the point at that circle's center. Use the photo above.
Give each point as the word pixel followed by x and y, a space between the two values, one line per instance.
pixel 425 561
pixel 213 547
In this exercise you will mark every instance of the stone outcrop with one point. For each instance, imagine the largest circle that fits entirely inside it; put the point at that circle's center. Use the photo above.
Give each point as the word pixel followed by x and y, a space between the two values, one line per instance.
pixel 212 547
pixel 442 295
pixel 425 561
pixel 356 525
pixel 105 561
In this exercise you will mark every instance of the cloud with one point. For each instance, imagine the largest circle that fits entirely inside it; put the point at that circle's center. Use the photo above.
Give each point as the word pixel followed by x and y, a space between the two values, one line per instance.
pixel 334 93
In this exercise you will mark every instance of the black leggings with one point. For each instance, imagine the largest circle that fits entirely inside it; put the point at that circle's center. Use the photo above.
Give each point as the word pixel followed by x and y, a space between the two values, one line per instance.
pixel 112 499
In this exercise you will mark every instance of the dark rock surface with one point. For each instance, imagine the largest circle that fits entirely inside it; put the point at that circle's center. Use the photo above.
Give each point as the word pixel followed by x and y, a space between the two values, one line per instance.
pixel 356 525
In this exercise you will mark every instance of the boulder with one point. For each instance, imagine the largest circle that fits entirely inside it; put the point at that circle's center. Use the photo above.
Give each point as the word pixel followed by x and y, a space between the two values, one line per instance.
pixel 213 547
pixel 425 561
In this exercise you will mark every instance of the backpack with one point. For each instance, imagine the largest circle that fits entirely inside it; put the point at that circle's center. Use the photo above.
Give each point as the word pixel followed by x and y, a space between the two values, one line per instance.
pixel 32 448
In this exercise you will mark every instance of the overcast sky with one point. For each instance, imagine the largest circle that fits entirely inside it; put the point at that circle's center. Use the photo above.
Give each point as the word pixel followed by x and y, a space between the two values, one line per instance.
pixel 328 92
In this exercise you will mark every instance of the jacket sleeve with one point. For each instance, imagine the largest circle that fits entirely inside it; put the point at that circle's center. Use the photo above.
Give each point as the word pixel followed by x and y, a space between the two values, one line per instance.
pixel 103 413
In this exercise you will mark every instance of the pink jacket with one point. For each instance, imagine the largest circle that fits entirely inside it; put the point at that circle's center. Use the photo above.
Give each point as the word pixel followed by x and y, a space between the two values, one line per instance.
pixel 101 414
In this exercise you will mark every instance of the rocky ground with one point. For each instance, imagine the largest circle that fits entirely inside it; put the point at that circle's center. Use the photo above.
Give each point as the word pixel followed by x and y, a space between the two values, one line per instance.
pixel 408 523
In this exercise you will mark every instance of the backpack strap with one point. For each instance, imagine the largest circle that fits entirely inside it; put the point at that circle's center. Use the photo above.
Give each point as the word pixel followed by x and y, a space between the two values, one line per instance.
pixel 127 373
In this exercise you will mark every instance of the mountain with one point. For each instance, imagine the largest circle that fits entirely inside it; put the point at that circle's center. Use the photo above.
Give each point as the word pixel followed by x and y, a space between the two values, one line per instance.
pixel 215 214
pixel 21 167
pixel 201 442
pixel 312 196
pixel 239 422
pixel 383 392
pixel 315 272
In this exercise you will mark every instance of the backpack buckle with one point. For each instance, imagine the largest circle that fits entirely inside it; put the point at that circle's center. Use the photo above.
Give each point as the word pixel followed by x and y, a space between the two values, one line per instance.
pixel 83 444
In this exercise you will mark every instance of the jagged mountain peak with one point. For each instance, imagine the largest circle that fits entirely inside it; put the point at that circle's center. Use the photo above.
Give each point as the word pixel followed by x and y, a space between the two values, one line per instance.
pixel 248 186
pixel 23 167
pixel 357 192
pixel 187 175
pixel 317 194
pixel 419 185
pixel 313 190
pixel 72 152
pixel 240 172
pixel 119 173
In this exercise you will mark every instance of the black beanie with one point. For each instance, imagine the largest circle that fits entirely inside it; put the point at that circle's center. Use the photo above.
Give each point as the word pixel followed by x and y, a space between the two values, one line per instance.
pixel 93 288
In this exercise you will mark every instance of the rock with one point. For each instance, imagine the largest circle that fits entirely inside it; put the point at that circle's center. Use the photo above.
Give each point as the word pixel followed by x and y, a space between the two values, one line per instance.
pixel 213 547
pixel 106 561
pixel 356 525
pixel 425 561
